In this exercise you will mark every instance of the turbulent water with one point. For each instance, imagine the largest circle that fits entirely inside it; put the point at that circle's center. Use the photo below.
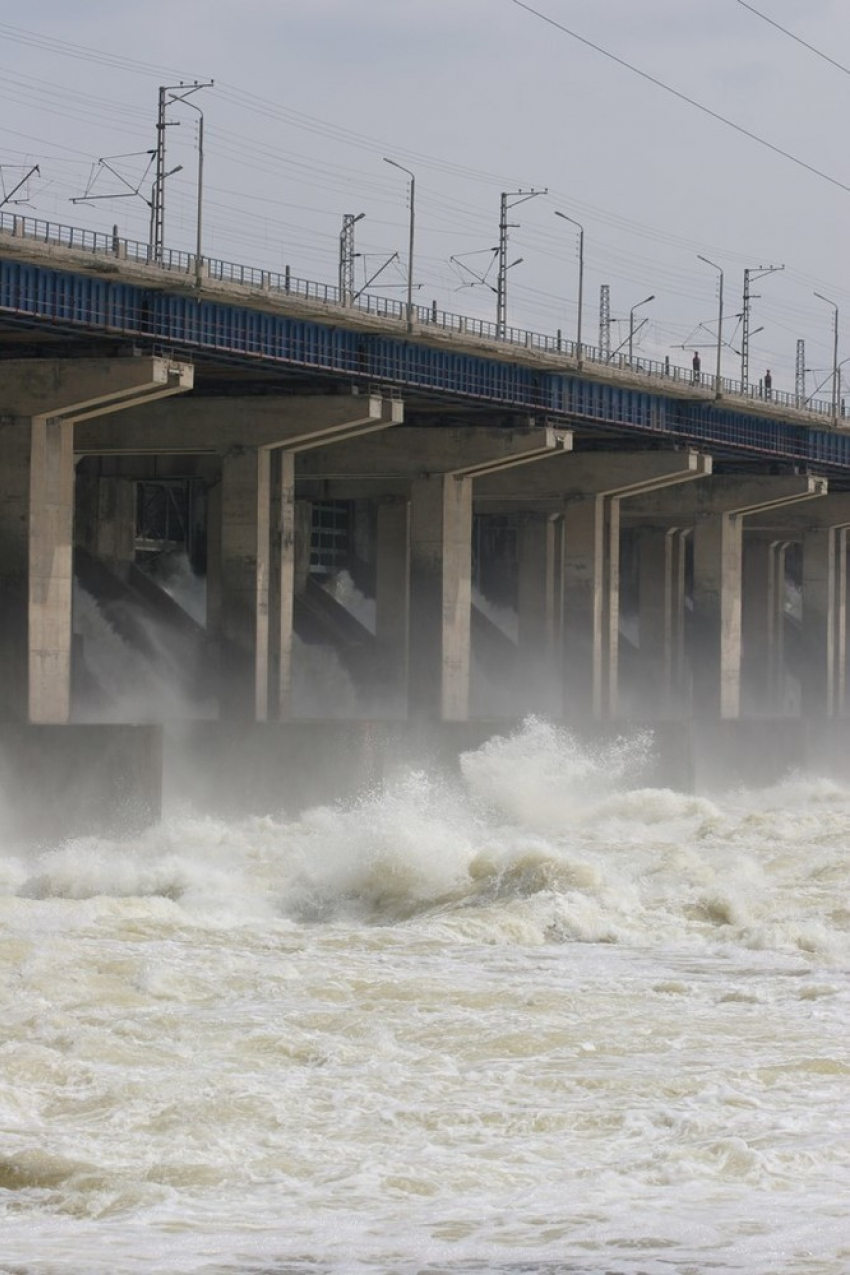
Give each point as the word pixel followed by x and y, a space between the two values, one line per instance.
pixel 539 1019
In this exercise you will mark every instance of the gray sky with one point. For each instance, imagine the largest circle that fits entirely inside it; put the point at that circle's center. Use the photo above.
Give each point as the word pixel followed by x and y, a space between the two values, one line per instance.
pixel 477 97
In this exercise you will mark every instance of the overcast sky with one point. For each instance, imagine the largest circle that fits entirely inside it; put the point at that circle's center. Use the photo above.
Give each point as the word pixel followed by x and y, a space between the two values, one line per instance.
pixel 476 97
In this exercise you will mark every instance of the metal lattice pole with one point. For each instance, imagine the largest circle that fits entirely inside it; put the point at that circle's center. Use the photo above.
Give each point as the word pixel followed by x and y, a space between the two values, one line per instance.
pixel 605 321
pixel 158 197
pixel 346 258
pixel 800 374
pixel 745 334
pixel 756 272
pixel 518 197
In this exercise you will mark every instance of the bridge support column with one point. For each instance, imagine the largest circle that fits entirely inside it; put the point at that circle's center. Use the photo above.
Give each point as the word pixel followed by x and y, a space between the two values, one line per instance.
pixel 40 402
pixel 36 569
pixel 716 655
pixel 824 602
pixel 661 612
pixel 538 618
pixel 440 595
pixel 303 544
pixel 105 519
pixel 583 589
pixel 392 598
pixel 290 544
pixel 245 568
pixel 763 623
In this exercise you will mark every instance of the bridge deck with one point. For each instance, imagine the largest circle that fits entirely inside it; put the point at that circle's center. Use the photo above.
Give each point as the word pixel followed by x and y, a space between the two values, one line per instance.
pixel 108 287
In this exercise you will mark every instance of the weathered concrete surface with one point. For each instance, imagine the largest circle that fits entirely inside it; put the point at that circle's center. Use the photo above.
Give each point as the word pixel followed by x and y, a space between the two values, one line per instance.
pixel 58 782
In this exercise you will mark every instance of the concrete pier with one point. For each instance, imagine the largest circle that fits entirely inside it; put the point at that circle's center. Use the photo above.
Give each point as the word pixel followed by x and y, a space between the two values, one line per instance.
pixel 41 403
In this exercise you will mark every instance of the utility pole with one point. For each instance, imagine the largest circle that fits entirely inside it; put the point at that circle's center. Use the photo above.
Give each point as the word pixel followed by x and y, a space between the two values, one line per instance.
pixel 754 272
pixel 179 92
pixel 605 321
pixel 820 297
pixel 347 257
pixel 158 194
pixel 580 227
pixel 517 197
pixel 411 237
pixel 800 374
pixel 717 381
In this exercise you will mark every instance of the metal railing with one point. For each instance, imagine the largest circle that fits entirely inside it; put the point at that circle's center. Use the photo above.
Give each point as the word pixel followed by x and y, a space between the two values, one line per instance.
pixel 102 243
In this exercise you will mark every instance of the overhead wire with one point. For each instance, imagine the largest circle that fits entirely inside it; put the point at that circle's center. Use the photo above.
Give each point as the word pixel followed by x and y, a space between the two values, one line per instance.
pixel 684 97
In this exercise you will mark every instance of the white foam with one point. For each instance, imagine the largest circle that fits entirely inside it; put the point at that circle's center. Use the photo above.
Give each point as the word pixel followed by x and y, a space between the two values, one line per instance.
pixel 540 1014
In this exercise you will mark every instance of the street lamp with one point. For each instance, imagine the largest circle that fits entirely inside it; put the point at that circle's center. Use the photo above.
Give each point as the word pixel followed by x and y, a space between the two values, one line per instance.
pixel 820 297
pixel 410 248
pixel 573 222
pixel 714 266
pixel 645 301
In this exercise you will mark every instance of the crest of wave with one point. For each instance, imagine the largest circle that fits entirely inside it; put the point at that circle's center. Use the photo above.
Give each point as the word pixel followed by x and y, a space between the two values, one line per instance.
pixel 542 776
pixel 206 866
pixel 390 853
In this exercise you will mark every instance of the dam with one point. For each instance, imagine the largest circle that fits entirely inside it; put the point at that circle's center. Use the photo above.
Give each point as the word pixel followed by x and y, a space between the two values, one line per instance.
pixel 532 527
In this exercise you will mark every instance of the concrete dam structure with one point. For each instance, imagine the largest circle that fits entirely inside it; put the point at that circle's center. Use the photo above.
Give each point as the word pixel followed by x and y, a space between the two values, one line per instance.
pixel 526 528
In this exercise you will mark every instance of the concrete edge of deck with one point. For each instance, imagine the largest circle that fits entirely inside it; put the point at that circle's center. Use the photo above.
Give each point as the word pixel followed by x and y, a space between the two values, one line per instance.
pixel 61 782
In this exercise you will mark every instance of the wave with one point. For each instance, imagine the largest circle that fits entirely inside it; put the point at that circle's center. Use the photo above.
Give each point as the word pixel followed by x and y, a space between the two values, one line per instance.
pixel 538 840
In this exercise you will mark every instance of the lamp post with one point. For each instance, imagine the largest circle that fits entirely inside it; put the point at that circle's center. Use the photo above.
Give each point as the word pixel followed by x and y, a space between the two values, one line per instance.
pixel 714 266
pixel 573 222
pixel 645 301
pixel 410 248
pixel 820 297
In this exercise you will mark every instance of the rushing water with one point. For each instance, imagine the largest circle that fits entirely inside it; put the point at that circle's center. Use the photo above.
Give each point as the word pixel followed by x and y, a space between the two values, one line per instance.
pixel 539 1020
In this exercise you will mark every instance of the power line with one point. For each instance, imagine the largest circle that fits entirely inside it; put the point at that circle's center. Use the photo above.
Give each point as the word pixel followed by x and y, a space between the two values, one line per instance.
pixel 818 52
pixel 683 97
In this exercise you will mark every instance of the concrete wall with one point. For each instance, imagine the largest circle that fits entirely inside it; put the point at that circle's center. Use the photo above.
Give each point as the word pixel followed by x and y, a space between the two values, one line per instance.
pixel 58 782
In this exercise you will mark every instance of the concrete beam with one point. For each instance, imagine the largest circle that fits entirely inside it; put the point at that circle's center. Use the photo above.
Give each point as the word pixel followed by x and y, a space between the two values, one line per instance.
pixel 296 422
pixel 581 474
pixel 727 494
pixel 833 510
pixel 81 389
pixel 413 452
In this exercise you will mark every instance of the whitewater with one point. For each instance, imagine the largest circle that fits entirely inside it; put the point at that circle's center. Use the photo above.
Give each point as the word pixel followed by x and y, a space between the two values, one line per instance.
pixel 530 1017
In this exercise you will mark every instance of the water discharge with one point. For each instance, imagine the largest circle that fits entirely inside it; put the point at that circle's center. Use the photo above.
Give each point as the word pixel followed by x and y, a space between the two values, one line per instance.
pixel 539 1019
